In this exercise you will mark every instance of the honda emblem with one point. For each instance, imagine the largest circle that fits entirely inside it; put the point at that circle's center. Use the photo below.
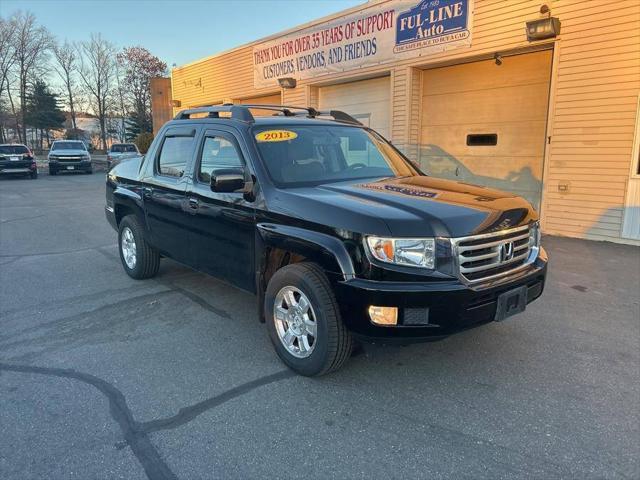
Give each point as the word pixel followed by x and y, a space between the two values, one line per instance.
pixel 506 251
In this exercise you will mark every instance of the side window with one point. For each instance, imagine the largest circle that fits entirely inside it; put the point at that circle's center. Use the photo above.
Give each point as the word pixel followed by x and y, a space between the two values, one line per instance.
pixel 174 156
pixel 217 152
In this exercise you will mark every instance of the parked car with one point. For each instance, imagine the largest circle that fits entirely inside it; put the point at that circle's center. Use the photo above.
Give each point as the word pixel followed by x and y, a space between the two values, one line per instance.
pixel 120 151
pixel 339 235
pixel 17 158
pixel 69 155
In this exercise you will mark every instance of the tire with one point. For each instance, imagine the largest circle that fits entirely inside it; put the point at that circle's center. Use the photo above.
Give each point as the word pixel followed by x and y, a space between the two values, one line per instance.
pixel 53 172
pixel 90 171
pixel 146 258
pixel 333 343
pixel 33 175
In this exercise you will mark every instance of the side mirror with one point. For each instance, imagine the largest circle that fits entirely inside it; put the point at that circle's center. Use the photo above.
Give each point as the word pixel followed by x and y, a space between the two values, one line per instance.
pixel 227 180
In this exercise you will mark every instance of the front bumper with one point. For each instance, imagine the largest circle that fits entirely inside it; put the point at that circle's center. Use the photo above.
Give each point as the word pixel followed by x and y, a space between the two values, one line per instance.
pixel 432 310
pixel 83 166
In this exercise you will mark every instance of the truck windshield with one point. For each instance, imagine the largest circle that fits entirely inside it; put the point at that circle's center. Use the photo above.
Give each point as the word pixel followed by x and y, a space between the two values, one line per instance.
pixel 315 154
pixel 68 146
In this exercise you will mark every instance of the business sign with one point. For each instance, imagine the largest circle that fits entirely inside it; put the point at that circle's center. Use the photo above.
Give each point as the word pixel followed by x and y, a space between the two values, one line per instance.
pixel 386 32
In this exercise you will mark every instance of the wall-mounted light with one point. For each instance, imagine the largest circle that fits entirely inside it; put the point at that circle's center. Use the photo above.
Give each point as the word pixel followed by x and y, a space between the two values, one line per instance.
pixel 287 82
pixel 498 58
pixel 176 103
pixel 543 28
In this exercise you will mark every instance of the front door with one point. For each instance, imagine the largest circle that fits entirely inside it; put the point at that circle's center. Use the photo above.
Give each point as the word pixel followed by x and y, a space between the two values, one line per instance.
pixel 165 195
pixel 223 224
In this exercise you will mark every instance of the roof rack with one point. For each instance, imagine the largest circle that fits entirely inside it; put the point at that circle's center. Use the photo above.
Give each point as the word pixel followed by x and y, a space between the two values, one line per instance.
pixel 237 112
pixel 241 112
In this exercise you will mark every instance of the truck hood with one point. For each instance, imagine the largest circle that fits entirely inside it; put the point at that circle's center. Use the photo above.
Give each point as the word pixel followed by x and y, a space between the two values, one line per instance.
pixel 417 206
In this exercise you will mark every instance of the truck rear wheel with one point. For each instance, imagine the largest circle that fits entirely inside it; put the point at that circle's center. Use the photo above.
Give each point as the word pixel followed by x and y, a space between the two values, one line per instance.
pixel 139 259
pixel 304 321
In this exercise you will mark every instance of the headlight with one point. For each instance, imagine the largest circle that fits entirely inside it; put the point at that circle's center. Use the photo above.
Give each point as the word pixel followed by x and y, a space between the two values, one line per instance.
pixel 85 157
pixel 412 252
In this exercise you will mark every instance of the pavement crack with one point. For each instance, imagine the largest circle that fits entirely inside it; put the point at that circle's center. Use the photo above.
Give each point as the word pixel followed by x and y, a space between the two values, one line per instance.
pixel 21 219
pixel 64 252
pixel 201 301
pixel 74 320
pixel 187 414
pixel 146 453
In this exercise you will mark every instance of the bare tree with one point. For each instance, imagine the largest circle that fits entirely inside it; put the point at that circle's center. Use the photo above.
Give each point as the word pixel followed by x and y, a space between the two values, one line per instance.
pixel 140 66
pixel 66 66
pixel 97 71
pixel 32 43
pixel 8 28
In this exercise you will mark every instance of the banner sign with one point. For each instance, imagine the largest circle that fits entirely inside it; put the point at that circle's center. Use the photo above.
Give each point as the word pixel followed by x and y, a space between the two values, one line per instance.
pixel 382 33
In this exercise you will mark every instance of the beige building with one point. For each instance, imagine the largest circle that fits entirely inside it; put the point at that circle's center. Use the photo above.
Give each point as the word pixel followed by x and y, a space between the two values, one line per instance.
pixel 472 92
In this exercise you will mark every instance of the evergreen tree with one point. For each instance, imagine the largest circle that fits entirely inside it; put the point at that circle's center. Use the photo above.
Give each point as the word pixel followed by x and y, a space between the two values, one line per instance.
pixel 135 125
pixel 42 110
pixel 131 129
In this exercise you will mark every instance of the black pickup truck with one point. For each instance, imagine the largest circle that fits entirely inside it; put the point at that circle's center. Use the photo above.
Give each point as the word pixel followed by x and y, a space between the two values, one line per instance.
pixel 340 236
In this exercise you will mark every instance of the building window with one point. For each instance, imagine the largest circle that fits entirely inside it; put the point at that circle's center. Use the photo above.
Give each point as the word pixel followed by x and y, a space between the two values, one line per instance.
pixel 482 139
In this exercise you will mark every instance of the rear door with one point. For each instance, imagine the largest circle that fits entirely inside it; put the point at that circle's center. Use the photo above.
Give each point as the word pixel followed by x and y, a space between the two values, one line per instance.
pixel 165 194
pixel 223 224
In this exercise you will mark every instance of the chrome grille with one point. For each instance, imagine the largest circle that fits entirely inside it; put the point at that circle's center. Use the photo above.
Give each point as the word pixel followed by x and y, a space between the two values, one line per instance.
pixel 487 256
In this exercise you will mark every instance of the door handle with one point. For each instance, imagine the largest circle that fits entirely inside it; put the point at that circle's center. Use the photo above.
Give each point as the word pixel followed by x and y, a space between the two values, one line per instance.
pixel 194 203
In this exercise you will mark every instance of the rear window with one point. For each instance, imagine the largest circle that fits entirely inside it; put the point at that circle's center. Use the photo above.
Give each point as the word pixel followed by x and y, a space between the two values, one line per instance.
pixel 174 155
pixel 68 146
pixel 123 148
pixel 13 149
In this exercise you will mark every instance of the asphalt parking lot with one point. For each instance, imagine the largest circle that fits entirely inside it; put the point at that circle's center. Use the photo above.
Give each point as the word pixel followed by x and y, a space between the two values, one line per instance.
pixel 105 377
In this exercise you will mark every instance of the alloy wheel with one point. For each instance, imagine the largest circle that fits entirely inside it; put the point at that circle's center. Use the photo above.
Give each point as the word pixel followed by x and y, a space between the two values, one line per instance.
pixel 128 247
pixel 295 322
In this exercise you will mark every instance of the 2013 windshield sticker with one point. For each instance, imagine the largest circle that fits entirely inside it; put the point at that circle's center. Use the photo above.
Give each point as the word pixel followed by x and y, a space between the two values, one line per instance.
pixel 276 136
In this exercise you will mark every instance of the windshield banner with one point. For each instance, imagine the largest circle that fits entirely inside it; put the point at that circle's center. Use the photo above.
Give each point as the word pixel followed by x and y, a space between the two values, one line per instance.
pixel 382 33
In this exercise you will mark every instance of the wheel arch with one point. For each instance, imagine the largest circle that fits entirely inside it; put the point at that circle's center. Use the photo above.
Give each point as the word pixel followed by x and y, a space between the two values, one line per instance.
pixel 281 245
pixel 126 202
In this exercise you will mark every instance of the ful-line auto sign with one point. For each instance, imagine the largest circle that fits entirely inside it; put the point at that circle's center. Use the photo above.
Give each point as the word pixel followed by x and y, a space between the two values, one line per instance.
pixel 432 22
pixel 375 35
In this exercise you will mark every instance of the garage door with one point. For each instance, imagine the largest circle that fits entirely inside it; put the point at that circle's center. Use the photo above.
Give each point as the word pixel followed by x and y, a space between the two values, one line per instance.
pixel 264 100
pixel 485 123
pixel 366 100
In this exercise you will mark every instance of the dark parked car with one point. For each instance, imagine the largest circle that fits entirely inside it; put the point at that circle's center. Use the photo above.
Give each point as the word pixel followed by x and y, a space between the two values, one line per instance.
pixel 69 156
pixel 338 234
pixel 17 158
pixel 120 151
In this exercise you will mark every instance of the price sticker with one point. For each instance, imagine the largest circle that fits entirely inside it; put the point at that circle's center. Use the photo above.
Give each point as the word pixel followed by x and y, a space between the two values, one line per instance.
pixel 276 136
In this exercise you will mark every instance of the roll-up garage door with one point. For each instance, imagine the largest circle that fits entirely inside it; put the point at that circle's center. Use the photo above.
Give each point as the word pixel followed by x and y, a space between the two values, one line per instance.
pixel 485 123
pixel 366 100
pixel 264 100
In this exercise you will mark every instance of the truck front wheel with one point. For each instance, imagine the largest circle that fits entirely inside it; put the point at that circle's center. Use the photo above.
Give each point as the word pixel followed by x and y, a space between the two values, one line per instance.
pixel 304 322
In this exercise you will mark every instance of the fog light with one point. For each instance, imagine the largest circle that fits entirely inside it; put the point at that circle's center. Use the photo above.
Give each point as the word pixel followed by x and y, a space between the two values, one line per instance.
pixel 383 315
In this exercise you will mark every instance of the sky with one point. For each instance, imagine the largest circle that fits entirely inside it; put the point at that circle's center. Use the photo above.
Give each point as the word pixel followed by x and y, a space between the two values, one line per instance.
pixel 176 31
